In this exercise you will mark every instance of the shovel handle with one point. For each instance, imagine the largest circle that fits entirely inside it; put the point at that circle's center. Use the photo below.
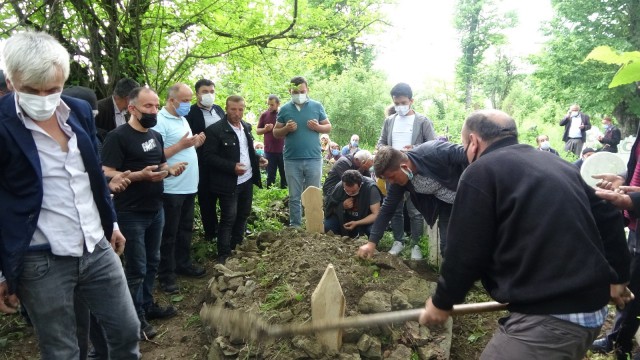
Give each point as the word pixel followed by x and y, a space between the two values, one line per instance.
pixel 370 320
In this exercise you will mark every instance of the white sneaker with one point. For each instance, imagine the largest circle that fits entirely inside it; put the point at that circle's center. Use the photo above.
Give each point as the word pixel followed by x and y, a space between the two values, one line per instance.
pixel 416 253
pixel 396 248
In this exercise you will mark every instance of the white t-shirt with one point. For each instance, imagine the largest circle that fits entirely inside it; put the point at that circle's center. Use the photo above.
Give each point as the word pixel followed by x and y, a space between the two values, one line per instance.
pixel 402 131
pixel 574 130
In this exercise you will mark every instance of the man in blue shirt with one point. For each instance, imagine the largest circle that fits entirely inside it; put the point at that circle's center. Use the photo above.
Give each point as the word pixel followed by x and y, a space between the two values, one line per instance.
pixel 179 192
pixel 299 122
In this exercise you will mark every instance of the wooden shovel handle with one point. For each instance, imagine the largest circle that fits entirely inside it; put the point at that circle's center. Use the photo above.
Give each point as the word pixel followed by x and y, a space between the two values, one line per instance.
pixel 392 317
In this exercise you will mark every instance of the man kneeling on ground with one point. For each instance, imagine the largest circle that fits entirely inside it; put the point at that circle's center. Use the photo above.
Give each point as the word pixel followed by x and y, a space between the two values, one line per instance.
pixel 352 206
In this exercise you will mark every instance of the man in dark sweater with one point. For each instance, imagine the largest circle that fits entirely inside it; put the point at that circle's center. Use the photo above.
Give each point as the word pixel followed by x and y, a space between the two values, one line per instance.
pixel 556 266
pixel 429 173
pixel 352 206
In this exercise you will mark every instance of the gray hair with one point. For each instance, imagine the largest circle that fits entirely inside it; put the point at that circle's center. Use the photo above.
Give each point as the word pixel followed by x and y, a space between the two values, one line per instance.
pixel 35 58
pixel 363 156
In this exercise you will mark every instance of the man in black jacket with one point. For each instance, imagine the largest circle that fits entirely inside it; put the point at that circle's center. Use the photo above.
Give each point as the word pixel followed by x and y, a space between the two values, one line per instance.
pixel 429 173
pixel 112 110
pixel 361 161
pixel 556 266
pixel 611 137
pixel 233 168
pixel 576 124
pixel 352 206
pixel 203 114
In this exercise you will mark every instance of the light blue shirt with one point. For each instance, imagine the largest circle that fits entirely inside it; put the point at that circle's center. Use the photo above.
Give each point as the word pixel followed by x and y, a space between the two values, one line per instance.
pixel 303 143
pixel 172 128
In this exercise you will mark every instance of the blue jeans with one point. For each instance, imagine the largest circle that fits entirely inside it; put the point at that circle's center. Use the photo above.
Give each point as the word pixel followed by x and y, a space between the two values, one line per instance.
pixel 300 175
pixel 276 163
pixel 175 250
pixel 143 231
pixel 235 209
pixel 49 286
pixel 415 218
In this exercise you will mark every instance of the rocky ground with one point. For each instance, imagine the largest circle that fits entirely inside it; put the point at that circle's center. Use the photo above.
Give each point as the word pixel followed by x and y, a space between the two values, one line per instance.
pixel 273 275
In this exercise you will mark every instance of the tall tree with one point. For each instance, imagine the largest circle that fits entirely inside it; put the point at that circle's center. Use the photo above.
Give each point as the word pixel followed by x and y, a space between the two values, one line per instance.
pixel 579 26
pixel 497 78
pixel 160 42
pixel 480 24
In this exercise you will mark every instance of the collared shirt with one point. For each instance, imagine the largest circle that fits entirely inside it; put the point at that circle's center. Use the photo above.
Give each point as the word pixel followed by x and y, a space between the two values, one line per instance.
pixel 172 128
pixel 119 115
pixel 244 153
pixel 589 320
pixel 69 219
pixel 574 130
pixel 402 131
pixel 210 116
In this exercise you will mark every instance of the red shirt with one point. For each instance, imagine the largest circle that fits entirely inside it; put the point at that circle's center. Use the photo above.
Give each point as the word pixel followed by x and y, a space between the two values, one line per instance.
pixel 271 144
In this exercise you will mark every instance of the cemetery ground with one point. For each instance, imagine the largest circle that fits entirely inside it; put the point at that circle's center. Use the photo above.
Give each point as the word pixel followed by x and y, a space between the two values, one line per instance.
pixel 274 273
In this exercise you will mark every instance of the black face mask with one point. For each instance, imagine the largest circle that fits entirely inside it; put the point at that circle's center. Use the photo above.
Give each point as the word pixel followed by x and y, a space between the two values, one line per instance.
pixel 148 120
pixel 465 154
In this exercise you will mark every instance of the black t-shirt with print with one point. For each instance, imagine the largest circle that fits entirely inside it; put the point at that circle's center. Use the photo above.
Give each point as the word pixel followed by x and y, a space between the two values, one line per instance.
pixel 126 148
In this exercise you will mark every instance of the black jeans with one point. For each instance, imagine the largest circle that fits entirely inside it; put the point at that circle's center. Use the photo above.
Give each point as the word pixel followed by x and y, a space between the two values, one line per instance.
pixel 276 162
pixel 176 235
pixel 208 214
pixel 234 212
pixel 627 322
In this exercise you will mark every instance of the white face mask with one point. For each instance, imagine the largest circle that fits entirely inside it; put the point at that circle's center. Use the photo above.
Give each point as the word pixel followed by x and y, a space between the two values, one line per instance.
pixel 299 98
pixel 545 145
pixel 39 108
pixel 402 110
pixel 575 113
pixel 208 99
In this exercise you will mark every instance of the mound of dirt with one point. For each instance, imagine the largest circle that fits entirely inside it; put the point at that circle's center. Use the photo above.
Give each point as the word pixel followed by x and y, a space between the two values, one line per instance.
pixel 273 276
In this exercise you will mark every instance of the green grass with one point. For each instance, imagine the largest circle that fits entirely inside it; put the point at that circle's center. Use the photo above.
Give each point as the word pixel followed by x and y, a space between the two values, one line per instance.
pixel 281 296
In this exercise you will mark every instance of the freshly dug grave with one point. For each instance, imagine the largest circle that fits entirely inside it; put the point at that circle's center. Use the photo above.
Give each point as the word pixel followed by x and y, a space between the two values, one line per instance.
pixel 274 274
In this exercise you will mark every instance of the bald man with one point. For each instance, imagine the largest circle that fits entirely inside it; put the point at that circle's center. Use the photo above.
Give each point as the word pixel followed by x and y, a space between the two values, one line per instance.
pixel 526 224
pixel 179 194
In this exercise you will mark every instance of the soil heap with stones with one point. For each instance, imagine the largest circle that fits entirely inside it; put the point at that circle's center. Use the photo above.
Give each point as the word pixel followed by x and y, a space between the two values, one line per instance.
pixel 274 274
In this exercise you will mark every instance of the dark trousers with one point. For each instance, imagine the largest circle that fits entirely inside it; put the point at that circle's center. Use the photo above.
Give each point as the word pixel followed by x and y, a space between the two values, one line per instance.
pixel 208 214
pixel 176 235
pixel 276 162
pixel 627 322
pixel 234 212
pixel 332 223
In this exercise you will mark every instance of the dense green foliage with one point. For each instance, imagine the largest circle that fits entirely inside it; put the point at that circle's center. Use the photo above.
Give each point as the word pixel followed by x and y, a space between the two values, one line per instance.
pixel 577 27
pixel 254 45
pixel 481 25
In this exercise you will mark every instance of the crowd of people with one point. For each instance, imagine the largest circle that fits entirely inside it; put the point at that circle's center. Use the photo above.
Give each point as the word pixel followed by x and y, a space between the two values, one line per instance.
pixel 84 181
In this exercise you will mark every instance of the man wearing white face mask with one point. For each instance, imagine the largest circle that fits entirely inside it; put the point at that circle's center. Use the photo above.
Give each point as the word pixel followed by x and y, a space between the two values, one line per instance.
pixel 545 145
pixel 402 131
pixel 57 217
pixel 203 114
pixel 575 125
pixel 300 122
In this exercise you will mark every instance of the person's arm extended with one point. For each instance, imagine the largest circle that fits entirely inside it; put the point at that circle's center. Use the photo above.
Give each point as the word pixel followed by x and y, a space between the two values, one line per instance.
pixel 152 173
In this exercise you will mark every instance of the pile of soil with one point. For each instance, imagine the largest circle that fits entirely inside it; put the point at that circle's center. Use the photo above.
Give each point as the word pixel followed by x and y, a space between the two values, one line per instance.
pixel 274 275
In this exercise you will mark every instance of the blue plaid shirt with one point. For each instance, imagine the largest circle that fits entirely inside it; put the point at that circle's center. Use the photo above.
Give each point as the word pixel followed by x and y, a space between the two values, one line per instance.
pixel 589 320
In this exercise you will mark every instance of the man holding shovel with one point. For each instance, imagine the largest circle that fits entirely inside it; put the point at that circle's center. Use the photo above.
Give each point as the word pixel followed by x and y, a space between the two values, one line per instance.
pixel 526 224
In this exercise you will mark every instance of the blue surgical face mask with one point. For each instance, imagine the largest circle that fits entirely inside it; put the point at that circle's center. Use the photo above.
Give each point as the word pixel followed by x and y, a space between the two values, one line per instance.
pixel 354 144
pixel 183 109
pixel 335 152
pixel 606 127
pixel 260 152
pixel 407 172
